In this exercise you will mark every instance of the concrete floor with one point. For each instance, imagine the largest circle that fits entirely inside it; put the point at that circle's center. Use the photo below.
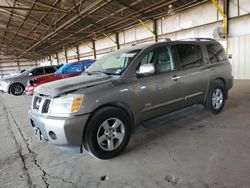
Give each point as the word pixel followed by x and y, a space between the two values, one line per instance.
pixel 196 149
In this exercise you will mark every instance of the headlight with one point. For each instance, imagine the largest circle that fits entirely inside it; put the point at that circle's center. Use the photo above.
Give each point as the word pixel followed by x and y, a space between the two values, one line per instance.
pixel 2 83
pixel 67 104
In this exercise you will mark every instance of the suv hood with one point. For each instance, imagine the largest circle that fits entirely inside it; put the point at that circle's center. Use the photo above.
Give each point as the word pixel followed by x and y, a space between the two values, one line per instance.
pixel 59 87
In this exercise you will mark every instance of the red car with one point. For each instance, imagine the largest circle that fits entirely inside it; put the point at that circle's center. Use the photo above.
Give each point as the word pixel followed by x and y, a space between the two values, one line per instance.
pixel 66 71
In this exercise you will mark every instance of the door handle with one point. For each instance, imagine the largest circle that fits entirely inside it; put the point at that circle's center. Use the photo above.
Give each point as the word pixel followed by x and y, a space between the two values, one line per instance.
pixel 175 78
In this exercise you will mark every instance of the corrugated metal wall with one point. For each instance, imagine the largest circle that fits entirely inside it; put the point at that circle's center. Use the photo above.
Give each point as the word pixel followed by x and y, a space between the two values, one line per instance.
pixel 239 49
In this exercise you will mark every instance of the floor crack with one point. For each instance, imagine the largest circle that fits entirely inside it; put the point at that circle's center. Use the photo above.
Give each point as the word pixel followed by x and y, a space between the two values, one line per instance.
pixel 45 180
pixel 19 149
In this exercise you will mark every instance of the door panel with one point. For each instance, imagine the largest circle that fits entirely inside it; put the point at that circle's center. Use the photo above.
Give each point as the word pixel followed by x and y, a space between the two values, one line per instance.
pixel 195 83
pixel 194 73
pixel 162 92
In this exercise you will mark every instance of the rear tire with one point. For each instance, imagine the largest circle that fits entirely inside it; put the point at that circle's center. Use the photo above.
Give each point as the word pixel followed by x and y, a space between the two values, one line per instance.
pixel 216 97
pixel 16 89
pixel 107 133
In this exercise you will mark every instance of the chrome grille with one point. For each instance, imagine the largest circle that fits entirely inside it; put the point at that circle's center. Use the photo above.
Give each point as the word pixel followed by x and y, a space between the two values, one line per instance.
pixel 46 104
pixel 41 104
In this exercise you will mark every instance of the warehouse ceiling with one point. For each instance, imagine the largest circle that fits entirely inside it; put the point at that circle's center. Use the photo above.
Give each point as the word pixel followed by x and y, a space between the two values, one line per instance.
pixel 35 28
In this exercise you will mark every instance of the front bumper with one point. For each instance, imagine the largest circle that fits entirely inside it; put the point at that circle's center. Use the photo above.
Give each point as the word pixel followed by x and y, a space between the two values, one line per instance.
pixel 4 88
pixel 65 133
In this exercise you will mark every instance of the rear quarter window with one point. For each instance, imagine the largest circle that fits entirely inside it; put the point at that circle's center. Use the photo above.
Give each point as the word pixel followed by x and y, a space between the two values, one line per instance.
pixel 216 53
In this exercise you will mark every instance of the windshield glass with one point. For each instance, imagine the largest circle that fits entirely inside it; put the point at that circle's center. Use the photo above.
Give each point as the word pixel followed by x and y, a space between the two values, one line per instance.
pixel 60 70
pixel 113 63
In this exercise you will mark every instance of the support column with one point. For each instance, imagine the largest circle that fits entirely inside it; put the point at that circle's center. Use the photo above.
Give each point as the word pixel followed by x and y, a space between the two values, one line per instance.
pixel 57 59
pixel 155 29
pixel 18 65
pixel 77 53
pixel 50 60
pixel 226 12
pixel 94 49
pixel 66 56
pixel 117 40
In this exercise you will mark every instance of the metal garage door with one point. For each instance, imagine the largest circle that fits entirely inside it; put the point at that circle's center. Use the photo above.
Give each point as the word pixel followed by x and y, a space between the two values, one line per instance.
pixel 239 47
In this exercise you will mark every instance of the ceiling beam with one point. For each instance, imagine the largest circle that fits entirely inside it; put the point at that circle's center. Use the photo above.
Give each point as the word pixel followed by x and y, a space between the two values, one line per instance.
pixel 36 10
pixel 132 16
pixel 8 23
pixel 97 4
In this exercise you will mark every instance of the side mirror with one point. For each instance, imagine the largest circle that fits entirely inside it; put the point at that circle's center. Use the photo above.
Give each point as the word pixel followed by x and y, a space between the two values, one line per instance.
pixel 30 74
pixel 146 69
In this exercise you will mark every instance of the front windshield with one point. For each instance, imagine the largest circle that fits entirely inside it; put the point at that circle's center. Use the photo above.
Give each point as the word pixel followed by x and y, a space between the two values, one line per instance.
pixel 60 70
pixel 113 63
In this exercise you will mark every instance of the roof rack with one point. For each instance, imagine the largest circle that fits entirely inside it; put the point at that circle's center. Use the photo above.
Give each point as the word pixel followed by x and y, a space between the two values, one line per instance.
pixel 200 39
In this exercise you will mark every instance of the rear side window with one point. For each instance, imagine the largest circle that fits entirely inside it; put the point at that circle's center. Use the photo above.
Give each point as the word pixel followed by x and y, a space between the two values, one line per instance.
pixel 49 70
pixel 190 55
pixel 216 53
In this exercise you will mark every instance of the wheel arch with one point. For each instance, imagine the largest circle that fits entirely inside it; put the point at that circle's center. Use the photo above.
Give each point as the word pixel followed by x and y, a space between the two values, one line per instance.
pixel 220 79
pixel 122 106
pixel 224 83
pixel 116 104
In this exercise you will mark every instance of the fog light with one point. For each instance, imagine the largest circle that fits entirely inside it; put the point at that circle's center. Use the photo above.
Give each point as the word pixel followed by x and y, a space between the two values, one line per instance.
pixel 52 135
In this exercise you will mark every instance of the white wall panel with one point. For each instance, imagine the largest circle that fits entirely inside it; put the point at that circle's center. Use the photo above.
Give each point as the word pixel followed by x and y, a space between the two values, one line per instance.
pixel 199 15
pixel 129 35
pixel 239 47
pixel 53 59
pixel 105 42
pixel 141 32
pixel 239 26
pixel 61 57
pixel 72 55
pixel 233 8
pixel 170 24
pixel 122 37
pixel 71 52
pixel 87 57
pixel 244 7
pixel 85 48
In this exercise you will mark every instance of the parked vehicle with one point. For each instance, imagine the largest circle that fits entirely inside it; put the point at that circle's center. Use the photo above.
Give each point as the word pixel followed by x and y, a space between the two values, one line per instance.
pixel 16 84
pixel 99 109
pixel 66 71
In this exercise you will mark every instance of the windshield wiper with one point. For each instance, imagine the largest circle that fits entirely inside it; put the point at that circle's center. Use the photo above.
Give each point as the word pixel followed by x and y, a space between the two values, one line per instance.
pixel 99 73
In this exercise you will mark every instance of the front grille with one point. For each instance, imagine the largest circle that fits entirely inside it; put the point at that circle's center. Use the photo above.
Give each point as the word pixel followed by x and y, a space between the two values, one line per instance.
pixel 41 104
pixel 46 104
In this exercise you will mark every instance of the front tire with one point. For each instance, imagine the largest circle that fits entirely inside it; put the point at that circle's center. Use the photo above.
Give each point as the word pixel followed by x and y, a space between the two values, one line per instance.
pixel 107 133
pixel 16 89
pixel 216 97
